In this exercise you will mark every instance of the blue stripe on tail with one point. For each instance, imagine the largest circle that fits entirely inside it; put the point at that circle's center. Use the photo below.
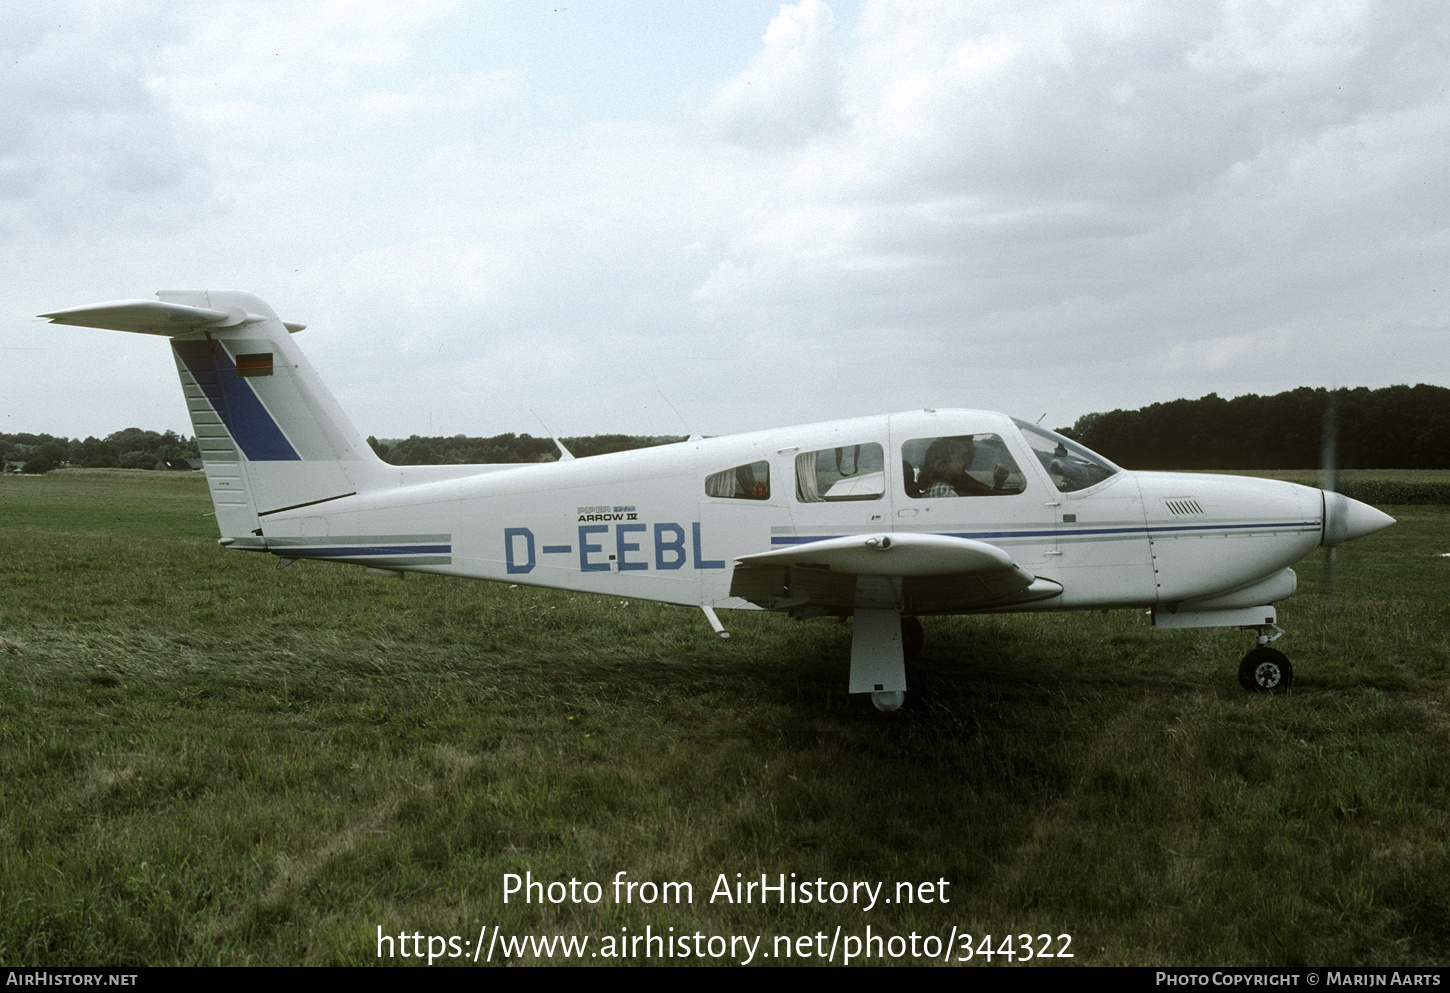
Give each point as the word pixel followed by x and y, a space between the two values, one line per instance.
pixel 236 403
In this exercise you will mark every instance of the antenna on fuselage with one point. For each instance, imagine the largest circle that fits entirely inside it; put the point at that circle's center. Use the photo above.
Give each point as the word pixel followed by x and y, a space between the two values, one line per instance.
pixel 564 454
pixel 692 436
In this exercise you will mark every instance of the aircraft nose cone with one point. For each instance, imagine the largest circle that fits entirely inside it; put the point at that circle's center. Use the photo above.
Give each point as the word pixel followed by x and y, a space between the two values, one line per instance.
pixel 1346 519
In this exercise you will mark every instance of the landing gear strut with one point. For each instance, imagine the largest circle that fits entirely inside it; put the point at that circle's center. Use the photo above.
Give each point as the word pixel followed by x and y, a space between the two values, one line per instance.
pixel 1264 668
pixel 878 665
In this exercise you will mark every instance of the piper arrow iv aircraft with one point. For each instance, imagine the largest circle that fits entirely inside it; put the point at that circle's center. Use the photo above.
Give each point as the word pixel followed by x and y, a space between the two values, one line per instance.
pixel 886 519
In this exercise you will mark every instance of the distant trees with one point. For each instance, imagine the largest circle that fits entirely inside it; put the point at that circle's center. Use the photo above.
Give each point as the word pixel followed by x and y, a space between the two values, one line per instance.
pixel 131 448
pixel 46 457
pixel 1398 427
pixel 134 448
pixel 94 453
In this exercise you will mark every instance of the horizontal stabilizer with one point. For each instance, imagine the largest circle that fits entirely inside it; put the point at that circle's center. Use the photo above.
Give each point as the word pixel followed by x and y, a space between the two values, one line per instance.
pixel 155 317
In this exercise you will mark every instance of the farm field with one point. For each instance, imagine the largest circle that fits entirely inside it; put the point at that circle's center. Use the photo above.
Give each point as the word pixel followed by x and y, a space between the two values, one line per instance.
pixel 205 760
pixel 1310 477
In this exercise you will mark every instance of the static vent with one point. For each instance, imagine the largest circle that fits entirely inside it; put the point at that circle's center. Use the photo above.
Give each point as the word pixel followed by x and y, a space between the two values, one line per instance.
pixel 1184 507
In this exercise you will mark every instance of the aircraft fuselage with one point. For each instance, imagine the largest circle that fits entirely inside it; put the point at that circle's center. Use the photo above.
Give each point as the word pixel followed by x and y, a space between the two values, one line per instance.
pixel 641 524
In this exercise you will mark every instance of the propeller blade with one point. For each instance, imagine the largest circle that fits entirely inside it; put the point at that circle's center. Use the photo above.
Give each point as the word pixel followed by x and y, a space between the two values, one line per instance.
pixel 1329 482
pixel 1329 447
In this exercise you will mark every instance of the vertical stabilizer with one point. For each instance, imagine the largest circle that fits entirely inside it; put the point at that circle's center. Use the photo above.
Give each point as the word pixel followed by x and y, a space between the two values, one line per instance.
pixel 271 435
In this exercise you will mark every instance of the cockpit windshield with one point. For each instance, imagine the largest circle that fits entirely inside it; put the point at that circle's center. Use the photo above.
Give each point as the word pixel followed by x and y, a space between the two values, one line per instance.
pixel 1071 466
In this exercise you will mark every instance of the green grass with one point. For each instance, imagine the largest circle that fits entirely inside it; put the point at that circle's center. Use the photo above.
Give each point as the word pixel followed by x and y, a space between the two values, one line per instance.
pixel 206 760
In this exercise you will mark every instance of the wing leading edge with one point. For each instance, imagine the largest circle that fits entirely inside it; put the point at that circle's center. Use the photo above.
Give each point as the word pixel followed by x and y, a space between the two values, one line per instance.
pixel 912 573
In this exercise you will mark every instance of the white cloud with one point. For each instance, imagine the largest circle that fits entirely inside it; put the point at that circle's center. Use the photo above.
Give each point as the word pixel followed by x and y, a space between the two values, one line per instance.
pixel 928 202
pixel 1195 177
pixel 86 140
pixel 791 89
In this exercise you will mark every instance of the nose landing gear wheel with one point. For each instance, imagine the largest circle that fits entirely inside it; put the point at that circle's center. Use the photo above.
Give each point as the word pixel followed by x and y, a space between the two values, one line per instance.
pixel 888 701
pixel 1265 669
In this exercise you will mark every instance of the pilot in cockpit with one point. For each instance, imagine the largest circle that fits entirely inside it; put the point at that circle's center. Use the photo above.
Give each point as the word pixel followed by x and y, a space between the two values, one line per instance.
pixel 944 470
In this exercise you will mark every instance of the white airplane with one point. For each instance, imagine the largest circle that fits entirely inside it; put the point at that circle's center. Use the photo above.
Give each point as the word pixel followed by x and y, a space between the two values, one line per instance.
pixel 886 518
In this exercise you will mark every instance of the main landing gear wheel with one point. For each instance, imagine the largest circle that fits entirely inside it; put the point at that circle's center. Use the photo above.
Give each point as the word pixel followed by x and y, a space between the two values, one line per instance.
pixel 912 637
pixel 889 700
pixel 1265 669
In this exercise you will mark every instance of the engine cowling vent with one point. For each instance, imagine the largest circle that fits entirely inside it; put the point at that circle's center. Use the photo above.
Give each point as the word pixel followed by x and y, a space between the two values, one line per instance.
pixel 1183 507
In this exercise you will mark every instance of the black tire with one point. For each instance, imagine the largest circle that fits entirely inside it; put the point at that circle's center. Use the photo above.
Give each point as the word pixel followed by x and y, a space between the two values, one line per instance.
pixel 913 638
pixel 1265 669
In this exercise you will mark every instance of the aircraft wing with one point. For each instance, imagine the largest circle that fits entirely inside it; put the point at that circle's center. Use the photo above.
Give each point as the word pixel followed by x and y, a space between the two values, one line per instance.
pixel 153 317
pixel 915 573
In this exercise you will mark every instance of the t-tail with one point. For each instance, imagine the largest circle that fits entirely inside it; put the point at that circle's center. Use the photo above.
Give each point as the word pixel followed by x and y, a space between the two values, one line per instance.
pixel 271 436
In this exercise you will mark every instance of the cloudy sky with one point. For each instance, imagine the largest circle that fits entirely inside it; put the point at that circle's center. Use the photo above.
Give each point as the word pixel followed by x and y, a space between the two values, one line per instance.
pixel 772 214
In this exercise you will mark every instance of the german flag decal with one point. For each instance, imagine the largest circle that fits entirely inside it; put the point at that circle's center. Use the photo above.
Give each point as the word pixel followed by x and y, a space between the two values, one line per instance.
pixel 259 364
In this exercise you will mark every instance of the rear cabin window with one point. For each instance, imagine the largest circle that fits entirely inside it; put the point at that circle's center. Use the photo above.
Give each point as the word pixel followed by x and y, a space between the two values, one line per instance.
pixel 959 466
pixel 744 482
pixel 851 472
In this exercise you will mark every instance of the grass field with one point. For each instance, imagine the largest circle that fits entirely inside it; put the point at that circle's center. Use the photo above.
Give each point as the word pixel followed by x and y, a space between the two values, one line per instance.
pixel 204 760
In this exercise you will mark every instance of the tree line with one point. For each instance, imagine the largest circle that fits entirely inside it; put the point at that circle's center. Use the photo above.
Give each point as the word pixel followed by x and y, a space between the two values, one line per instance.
pixel 134 448
pixel 1398 427
pixel 131 448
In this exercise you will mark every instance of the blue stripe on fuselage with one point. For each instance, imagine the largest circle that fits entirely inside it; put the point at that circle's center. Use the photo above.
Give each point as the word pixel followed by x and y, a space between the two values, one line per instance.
pixel 348 550
pixel 235 402
pixel 1129 531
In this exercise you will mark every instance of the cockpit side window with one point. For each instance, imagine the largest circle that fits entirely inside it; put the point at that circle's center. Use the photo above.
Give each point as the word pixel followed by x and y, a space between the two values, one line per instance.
pixel 744 482
pixel 1070 465
pixel 959 465
pixel 851 472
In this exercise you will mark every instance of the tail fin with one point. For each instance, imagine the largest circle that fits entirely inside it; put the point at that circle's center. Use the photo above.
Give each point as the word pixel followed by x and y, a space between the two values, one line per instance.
pixel 271 436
